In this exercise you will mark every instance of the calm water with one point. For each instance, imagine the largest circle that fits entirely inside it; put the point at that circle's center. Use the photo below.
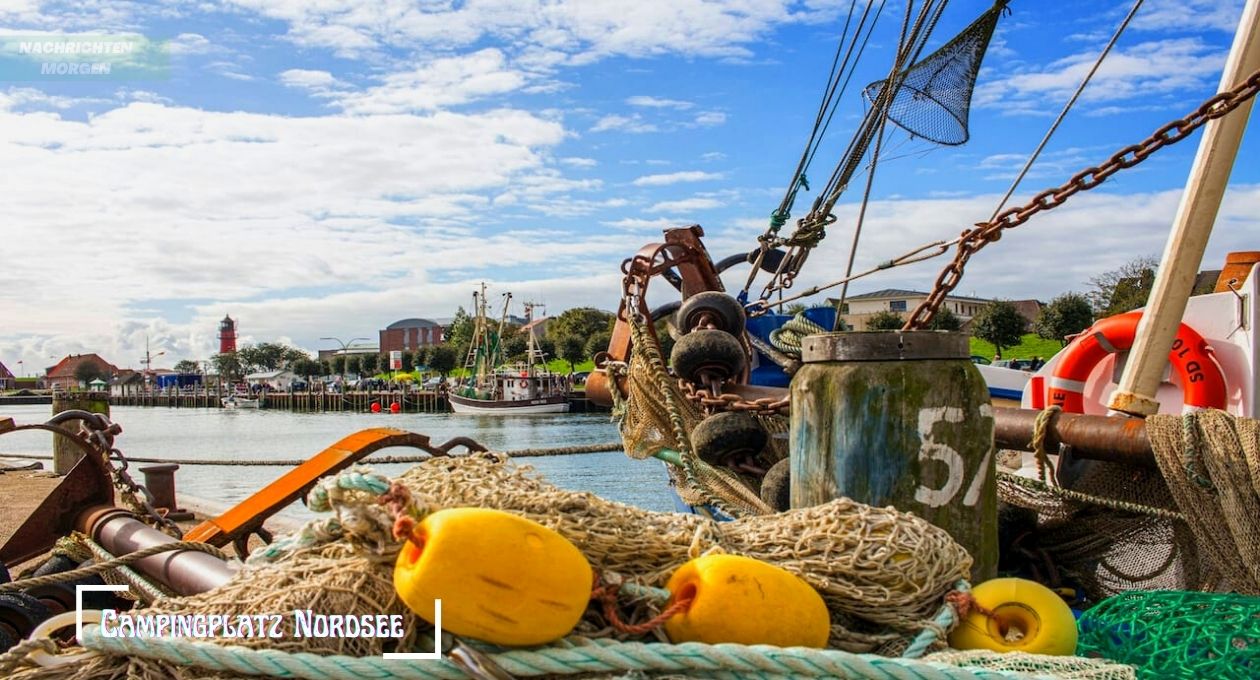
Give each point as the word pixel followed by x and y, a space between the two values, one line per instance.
pixel 190 434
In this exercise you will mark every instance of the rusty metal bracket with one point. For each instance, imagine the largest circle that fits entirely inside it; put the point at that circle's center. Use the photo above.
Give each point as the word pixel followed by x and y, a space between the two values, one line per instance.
pixel 237 524
pixel 88 483
pixel 683 256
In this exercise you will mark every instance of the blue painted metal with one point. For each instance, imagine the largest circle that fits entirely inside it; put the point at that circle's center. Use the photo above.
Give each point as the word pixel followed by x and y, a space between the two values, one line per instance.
pixel 765 372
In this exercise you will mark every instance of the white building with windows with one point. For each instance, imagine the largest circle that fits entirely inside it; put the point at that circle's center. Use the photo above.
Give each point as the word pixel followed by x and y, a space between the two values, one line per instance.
pixel 858 308
pixel 276 380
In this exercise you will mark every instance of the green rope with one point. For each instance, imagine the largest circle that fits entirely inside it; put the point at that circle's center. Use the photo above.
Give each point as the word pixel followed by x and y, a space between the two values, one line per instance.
pixel 787 338
pixel 595 656
pixel 780 216
pixel 935 632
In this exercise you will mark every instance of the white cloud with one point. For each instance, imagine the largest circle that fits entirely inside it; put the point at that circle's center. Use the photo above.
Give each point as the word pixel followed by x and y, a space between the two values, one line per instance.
pixel 658 103
pixel 1142 73
pixel 1188 15
pixel 642 224
pixel 320 81
pixel 436 84
pixel 686 205
pixel 675 178
pixel 709 118
pixel 616 123
pixel 550 31
pixel 578 162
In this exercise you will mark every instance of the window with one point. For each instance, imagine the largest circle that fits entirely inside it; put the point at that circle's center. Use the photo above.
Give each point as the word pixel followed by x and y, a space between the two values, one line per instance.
pixel 897 305
pixel 844 308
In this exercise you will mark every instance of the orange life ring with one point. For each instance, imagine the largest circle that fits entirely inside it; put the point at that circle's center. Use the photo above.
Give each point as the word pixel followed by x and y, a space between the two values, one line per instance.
pixel 1191 357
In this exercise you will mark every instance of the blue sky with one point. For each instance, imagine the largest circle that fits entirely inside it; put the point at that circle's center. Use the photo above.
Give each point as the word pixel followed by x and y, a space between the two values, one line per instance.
pixel 321 168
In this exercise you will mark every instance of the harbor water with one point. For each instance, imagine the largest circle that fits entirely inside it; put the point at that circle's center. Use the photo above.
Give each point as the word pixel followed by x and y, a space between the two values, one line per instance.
pixel 212 433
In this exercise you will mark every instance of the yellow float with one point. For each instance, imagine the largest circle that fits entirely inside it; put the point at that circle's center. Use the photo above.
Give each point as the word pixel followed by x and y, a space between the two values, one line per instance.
pixel 501 578
pixel 745 601
pixel 1017 616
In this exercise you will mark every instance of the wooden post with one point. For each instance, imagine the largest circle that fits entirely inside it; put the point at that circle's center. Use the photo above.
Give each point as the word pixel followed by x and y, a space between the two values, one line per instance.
pixel 903 419
pixel 65 454
pixel 1184 251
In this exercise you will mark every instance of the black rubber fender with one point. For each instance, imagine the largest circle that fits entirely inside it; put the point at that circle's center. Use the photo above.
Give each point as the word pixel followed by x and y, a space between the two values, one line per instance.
pixel 707 353
pixel 6 640
pixel 724 436
pixel 725 312
pixel 776 486
pixel 21 612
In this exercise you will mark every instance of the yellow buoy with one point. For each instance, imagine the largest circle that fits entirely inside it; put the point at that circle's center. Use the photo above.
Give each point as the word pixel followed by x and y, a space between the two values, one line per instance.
pixel 501 578
pixel 742 600
pixel 1023 616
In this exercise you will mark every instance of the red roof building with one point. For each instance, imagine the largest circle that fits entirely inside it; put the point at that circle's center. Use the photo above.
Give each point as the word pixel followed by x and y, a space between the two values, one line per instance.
pixel 7 381
pixel 62 376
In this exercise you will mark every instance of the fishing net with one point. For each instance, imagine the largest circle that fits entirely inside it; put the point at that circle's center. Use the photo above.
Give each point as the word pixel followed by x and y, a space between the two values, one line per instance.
pixel 933 100
pixel 654 415
pixel 1177 634
pixel 882 573
pixel 1034 665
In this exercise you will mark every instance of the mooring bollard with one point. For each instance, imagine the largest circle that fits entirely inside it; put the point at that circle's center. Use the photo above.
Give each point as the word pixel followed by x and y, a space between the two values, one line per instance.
pixel 65 454
pixel 160 481
pixel 901 419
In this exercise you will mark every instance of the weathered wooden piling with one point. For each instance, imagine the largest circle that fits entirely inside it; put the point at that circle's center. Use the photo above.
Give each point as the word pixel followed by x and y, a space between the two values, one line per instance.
pixel 902 419
pixel 65 454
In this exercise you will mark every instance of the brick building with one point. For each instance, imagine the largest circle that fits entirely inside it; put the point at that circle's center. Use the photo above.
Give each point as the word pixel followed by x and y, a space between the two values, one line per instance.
pixel 411 334
pixel 62 376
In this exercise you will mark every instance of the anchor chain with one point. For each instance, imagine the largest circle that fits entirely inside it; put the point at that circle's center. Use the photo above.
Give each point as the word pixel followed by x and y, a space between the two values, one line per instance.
pixel 101 433
pixel 985 233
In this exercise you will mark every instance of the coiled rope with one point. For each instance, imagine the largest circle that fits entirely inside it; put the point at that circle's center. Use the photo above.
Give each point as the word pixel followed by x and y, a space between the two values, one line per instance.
pixel 586 656
pixel 787 338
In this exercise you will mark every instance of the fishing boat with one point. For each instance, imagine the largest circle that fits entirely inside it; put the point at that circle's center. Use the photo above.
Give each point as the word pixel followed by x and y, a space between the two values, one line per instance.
pixel 522 388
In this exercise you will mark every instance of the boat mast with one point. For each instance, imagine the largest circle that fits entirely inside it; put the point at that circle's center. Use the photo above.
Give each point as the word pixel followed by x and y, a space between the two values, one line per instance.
pixel 532 353
pixel 1205 188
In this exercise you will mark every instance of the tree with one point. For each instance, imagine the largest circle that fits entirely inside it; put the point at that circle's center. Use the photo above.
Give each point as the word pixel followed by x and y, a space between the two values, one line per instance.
pixel 945 320
pixel 1123 289
pixel 514 345
pixel 419 358
pixel 573 350
pixel 459 333
pixel 354 365
pixel 408 361
pixel 305 367
pixel 369 363
pixel 1066 315
pixel 547 346
pixel 187 366
pixel 581 322
pixel 337 364
pixel 999 323
pixel 87 371
pixel 598 343
pixel 325 367
pixel 885 320
pixel 269 356
pixel 795 308
pixel 441 358
pixel 229 366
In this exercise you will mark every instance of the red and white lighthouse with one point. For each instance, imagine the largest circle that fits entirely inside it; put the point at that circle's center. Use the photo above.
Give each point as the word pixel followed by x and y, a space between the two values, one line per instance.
pixel 227 335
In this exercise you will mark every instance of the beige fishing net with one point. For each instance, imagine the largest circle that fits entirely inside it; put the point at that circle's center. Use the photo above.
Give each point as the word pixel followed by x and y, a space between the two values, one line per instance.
pixel 883 574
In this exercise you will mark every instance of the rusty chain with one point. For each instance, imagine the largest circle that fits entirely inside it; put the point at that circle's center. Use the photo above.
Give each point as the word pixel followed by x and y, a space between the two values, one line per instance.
pixel 766 406
pixel 985 233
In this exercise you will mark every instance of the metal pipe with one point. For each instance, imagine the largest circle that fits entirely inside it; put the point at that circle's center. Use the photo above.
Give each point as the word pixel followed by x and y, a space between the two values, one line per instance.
pixel 1112 439
pixel 184 571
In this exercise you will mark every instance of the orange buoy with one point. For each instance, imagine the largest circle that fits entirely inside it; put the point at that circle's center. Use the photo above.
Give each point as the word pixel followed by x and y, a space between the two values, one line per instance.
pixel 1202 381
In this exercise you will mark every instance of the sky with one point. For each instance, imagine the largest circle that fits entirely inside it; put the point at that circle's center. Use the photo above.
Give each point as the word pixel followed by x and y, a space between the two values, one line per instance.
pixel 323 168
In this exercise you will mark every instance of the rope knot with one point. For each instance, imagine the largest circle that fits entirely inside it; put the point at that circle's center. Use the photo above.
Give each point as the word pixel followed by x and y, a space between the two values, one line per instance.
pixel 606 594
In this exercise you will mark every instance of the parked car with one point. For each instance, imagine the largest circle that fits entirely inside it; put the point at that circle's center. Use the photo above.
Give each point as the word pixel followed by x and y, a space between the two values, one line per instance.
pixel 432 383
pixel 977 359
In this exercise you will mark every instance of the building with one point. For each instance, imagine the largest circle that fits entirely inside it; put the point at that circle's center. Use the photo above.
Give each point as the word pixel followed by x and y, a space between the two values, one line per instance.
pixel 350 351
pixel 537 327
pixel 63 375
pixel 276 380
pixel 126 383
pixel 859 308
pixel 227 335
pixel 410 335
pixel 7 379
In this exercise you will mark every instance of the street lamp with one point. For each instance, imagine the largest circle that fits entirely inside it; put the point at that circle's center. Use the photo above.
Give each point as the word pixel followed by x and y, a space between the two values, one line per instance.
pixel 344 345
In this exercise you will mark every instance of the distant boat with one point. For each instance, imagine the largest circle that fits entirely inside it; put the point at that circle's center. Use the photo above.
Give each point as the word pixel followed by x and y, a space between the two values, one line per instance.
pixel 522 389
pixel 234 401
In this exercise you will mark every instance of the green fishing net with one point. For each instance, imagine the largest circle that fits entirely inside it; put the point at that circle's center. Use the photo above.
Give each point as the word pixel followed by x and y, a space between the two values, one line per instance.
pixel 1176 634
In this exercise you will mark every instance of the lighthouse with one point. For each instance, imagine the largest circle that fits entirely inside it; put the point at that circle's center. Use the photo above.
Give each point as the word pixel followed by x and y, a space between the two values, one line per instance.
pixel 227 335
